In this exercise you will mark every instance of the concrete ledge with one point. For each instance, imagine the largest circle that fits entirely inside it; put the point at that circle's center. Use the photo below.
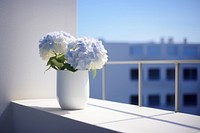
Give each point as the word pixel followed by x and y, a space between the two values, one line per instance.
pixel 33 120
pixel 45 116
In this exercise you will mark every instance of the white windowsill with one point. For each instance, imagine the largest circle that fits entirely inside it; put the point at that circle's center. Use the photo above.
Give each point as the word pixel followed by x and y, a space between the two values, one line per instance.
pixel 117 117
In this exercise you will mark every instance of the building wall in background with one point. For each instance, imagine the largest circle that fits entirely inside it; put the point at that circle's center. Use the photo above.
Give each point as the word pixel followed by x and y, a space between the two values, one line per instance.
pixel 158 92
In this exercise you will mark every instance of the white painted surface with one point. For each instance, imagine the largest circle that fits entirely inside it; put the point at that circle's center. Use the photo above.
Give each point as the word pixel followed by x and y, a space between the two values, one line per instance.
pixel 22 24
pixel 117 116
pixel 72 89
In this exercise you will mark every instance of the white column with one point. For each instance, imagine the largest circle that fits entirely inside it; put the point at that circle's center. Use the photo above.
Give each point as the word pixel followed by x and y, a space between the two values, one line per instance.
pixel 177 89
pixel 140 84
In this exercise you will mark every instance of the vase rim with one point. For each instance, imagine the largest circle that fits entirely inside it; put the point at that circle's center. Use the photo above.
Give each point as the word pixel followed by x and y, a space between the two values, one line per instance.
pixel 71 71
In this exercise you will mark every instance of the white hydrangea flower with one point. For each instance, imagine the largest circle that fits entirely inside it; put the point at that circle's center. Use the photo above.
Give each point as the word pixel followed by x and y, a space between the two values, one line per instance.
pixel 86 54
pixel 100 54
pixel 54 43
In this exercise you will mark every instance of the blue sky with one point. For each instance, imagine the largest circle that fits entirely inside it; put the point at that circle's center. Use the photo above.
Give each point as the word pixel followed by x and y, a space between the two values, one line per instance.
pixel 139 20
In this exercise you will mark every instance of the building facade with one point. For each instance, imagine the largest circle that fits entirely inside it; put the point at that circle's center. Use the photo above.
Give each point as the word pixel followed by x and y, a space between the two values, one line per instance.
pixel 158 79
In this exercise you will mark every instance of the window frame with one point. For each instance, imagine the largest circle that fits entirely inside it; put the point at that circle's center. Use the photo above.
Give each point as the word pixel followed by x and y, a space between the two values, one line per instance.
pixel 190 103
pixel 170 100
pixel 132 76
pixel 169 76
pixel 188 74
pixel 151 100
pixel 154 78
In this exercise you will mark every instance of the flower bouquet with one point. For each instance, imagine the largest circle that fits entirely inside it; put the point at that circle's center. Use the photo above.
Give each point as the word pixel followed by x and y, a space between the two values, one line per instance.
pixel 72 58
pixel 65 52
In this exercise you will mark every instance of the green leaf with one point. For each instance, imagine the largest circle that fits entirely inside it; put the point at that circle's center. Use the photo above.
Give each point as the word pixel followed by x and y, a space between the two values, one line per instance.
pixel 61 58
pixel 49 61
pixel 59 62
pixel 69 67
pixel 94 73
pixel 50 64
pixel 47 69
pixel 55 63
pixel 55 67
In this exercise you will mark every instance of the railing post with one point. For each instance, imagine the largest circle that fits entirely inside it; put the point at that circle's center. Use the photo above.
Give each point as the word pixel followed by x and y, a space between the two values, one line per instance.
pixel 104 82
pixel 140 84
pixel 177 89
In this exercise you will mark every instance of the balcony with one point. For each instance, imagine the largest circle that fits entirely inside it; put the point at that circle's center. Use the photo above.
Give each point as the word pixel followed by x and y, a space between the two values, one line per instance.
pixel 45 116
pixel 140 64
pixel 23 78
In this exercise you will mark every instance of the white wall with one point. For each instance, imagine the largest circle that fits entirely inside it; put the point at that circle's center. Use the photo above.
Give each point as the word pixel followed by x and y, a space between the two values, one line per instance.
pixel 22 24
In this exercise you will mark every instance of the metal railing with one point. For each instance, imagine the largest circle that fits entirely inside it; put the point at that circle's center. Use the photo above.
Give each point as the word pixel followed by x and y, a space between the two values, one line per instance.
pixel 140 63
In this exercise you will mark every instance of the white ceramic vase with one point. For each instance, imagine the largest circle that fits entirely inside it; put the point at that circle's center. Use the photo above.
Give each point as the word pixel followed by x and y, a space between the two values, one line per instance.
pixel 72 89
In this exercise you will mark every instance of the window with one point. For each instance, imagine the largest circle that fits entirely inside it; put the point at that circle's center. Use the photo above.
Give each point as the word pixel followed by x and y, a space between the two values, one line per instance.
pixel 170 100
pixel 153 50
pixel 154 100
pixel 190 99
pixel 190 50
pixel 172 50
pixel 137 50
pixel 134 99
pixel 170 74
pixel 134 74
pixel 190 74
pixel 154 74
